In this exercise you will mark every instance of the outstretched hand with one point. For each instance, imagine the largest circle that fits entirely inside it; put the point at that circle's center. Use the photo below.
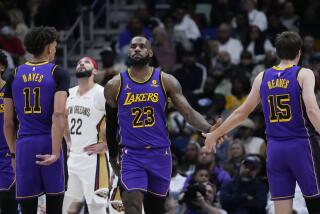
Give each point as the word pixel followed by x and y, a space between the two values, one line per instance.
pixel 212 141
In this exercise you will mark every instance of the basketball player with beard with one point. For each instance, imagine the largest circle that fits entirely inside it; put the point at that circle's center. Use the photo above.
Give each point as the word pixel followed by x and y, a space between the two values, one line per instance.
pixel 87 162
pixel 136 99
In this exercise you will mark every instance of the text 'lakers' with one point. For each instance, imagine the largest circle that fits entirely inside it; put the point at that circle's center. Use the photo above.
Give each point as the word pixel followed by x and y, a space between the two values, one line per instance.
pixel 143 97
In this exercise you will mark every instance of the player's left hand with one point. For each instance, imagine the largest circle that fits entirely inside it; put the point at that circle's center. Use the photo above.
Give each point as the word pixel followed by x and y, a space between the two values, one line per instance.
pixel 96 148
pixel 214 127
pixel 211 141
pixel 46 159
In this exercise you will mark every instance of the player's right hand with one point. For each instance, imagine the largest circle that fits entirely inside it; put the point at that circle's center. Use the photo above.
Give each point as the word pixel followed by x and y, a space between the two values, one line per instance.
pixel 115 165
pixel 46 159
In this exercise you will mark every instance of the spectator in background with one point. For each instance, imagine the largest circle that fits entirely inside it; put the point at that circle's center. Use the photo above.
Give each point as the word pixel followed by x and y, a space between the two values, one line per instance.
pixel 269 60
pixel 228 44
pixel 185 25
pixel 135 28
pixel 258 44
pixel 10 43
pixel 218 176
pixel 203 202
pixel 148 20
pixel 255 17
pixel 252 145
pixel 109 66
pixel 236 154
pixel 289 18
pixel 308 50
pixel 190 160
pixel 275 27
pixel 245 193
pixel 240 26
pixel 163 49
pixel 245 66
pixel 177 180
pixel 170 206
pixel 239 91
pixel 191 75
pixel 18 23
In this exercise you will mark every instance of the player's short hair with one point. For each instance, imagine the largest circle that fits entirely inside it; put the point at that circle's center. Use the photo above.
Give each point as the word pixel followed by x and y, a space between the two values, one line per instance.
pixel 37 38
pixel 288 44
pixel 3 60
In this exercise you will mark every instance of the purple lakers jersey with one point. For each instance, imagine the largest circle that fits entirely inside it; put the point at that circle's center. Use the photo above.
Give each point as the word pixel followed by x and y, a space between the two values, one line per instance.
pixel 33 89
pixel 3 143
pixel 141 112
pixel 283 107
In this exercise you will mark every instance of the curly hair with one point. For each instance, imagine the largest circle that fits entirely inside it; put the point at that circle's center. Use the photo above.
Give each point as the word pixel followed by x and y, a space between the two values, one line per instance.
pixel 37 38
pixel 3 60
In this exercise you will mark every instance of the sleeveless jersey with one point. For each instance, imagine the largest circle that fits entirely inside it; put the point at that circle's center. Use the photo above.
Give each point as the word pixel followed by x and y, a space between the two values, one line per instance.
pixel 283 107
pixel 141 112
pixel 33 89
pixel 3 144
pixel 85 117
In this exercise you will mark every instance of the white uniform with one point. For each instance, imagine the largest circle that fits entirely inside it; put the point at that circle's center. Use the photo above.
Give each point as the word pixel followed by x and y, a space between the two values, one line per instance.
pixel 86 119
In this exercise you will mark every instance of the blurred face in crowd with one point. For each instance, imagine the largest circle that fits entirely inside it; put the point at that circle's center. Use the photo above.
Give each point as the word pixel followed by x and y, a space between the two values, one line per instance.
pixel 191 152
pixel 308 43
pixel 248 5
pixel 254 33
pixel 136 27
pixel 236 150
pixel 179 14
pixel 223 33
pixel 210 193
pixel 224 58
pixel 245 132
pixel 205 157
pixel 139 52
pixel 288 9
pixel 159 35
pixel 202 176
pixel 248 170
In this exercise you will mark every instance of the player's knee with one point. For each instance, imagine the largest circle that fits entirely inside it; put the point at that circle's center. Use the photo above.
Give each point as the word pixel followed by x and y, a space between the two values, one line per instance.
pixel 313 205
pixel 74 208
pixel 132 202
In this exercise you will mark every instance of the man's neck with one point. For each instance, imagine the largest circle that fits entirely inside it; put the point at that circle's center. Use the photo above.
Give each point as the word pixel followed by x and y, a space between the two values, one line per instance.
pixel 38 59
pixel 85 84
pixel 285 63
pixel 140 74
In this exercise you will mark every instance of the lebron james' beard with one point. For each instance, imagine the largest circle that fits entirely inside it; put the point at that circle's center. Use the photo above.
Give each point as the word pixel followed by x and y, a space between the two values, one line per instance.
pixel 138 62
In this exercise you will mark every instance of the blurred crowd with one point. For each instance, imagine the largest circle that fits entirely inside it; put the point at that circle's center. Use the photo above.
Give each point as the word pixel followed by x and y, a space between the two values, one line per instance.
pixel 215 49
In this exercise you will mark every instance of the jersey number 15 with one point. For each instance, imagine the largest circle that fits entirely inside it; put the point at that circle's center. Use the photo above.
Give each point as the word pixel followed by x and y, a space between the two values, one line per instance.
pixel 280 110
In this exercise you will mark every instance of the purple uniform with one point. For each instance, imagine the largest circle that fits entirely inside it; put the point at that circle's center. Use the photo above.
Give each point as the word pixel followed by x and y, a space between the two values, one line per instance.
pixel 6 171
pixel 146 157
pixel 32 89
pixel 292 150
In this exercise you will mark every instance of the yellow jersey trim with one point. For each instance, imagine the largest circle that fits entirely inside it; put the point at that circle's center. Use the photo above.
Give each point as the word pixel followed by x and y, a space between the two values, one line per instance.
pixel 53 69
pixel 37 64
pixel 140 82
pixel 281 69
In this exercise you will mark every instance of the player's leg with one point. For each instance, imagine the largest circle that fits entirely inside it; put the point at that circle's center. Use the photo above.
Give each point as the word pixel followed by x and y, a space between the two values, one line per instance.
pixel 281 179
pixel 283 206
pixel 153 204
pixel 133 179
pixel 159 176
pixel 9 203
pixel 74 194
pixel 29 206
pixel 54 204
pixel 313 205
pixel 307 171
pixel 132 202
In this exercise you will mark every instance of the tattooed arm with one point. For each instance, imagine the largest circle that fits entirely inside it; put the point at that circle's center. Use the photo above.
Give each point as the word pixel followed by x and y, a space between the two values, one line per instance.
pixel 110 92
pixel 174 91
